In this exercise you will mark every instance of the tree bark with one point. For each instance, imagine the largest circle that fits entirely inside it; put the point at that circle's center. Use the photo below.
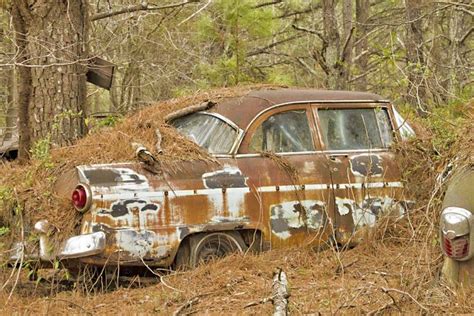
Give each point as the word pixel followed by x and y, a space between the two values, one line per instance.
pixel 333 49
pixel 455 36
pixel 24 81
pixel 11 111
pixel 415 60
pixel 361 47
pixel 52 62
pixel 346 54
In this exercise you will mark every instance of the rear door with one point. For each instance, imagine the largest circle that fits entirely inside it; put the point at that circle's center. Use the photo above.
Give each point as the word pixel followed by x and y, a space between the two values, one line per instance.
pixel 365 180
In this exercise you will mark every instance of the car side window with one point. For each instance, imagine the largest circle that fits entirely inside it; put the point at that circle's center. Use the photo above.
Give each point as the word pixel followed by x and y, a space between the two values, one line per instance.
pixel 349 129
pixel 283 132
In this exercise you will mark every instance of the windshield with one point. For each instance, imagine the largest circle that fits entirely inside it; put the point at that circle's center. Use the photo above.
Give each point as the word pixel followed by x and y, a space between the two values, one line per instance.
pixel 207 131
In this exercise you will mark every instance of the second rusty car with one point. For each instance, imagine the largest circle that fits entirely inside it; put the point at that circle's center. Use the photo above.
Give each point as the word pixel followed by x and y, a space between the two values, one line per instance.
pixel 294 166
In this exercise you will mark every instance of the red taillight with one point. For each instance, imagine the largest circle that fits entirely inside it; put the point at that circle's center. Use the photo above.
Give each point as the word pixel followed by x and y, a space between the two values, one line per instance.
pixel 456 248
pixel 80 198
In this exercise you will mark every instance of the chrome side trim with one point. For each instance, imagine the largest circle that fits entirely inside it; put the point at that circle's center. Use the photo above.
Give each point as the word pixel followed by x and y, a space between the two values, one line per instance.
pixel 272 188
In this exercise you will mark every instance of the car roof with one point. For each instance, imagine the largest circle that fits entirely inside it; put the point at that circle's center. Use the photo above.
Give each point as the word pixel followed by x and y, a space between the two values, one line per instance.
pixel 242 110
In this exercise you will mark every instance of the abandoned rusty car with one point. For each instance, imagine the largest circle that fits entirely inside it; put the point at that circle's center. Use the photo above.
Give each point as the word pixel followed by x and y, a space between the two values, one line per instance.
pixel 292 167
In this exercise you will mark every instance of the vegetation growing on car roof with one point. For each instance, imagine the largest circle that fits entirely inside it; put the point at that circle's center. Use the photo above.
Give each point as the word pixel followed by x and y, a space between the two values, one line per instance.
pixel 31 185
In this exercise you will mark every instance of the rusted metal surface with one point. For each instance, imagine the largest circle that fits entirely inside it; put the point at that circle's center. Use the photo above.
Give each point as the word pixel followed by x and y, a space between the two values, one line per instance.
pixel 146 216
pixel 100 72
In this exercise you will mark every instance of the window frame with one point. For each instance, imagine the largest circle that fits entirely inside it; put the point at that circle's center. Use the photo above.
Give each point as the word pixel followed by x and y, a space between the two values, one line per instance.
pixel 258 121
pixel 350 106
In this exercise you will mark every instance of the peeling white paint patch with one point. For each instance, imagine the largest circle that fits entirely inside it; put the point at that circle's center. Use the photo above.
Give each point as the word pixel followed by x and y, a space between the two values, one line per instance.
pixel 146 243
pixel 291 215
pixel 370 209
pixel 228 177
pixel 364 165
pixel 135 243
pixel 363 217
pixel 231 201
pixel 344 206
pixel 230 170
pixel 109 179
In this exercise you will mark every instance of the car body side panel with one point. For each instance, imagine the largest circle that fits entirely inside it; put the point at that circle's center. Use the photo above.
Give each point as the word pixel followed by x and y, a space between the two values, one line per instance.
pixel 293 199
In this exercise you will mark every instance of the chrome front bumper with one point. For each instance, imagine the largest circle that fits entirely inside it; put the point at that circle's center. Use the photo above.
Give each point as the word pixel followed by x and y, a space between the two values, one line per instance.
pixel 74 247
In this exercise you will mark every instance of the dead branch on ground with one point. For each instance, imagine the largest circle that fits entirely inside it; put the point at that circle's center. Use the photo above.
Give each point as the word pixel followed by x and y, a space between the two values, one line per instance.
pixel 280 293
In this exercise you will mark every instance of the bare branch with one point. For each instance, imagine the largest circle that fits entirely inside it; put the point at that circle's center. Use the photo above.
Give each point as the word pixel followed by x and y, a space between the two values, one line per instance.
pixel 265 4
pixel 466 35
pixel 144 6
pixel 195 13
pixel 346 45
pixel 307 10
pixel 471 13
pixel 264 49
pixel 306 66
pixel 303 29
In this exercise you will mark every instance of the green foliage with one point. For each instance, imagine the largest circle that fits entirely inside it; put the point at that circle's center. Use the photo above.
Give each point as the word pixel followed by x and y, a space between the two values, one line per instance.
pixel 41 152
pixel 280 76
pixel 229 29
pixel 4 231
pixel 65 115
pixel 6 194
pixel 95 123
pixel 443 121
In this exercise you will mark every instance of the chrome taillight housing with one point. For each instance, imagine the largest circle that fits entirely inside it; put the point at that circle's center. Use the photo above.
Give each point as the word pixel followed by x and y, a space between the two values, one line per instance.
pixel 457 237
pixel 81 197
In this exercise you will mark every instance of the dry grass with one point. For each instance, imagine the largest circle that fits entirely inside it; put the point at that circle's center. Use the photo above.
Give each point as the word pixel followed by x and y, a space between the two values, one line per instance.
pixel 380 278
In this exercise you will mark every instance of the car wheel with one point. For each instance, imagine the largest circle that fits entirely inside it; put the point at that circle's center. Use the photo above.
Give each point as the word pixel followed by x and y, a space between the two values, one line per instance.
pixel 206 247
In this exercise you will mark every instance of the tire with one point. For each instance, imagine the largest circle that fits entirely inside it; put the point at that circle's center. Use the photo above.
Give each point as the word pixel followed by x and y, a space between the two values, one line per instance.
pixel 204 248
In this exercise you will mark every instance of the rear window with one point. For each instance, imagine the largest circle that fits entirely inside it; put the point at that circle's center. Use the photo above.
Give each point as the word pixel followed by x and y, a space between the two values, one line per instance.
pixel 207 131
pixel 350 129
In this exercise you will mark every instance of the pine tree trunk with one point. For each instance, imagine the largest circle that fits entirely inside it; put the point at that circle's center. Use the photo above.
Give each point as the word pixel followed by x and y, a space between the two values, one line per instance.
pixel 414 49
pixel 455 27
pixel 52 41
pixel 361 48
pixel 333 49
pixel 24 81
pixel 347 44
pixel 11 112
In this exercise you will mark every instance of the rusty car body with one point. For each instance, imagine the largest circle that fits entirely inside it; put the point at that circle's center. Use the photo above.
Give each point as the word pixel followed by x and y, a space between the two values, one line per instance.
pixel 293 167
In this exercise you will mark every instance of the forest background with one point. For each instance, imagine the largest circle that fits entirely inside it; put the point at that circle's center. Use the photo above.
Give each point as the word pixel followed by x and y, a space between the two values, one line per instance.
pixel 417 53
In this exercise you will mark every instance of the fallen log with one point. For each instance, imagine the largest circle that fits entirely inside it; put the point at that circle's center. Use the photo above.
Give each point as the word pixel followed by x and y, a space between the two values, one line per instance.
pixel 280 293
pixel 189 110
